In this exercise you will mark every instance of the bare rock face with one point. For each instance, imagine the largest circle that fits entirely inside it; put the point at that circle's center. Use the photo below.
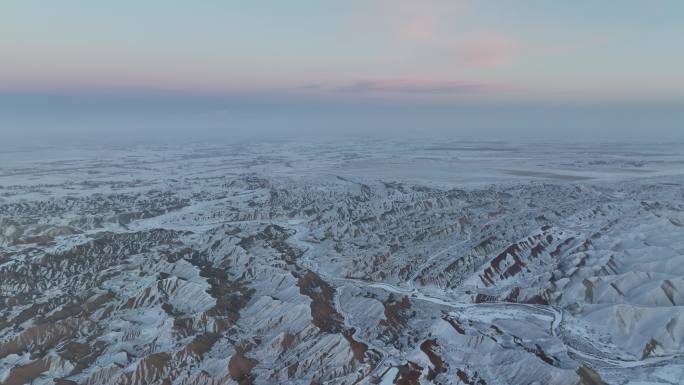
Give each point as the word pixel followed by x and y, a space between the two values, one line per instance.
pixel 266 264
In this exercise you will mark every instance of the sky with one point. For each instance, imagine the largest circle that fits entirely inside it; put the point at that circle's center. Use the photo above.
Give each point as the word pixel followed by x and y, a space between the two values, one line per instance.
pixel 504 68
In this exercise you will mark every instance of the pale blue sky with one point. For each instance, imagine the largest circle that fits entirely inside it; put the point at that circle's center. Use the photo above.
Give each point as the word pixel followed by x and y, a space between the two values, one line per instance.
pixel 352 52
pixel 510 48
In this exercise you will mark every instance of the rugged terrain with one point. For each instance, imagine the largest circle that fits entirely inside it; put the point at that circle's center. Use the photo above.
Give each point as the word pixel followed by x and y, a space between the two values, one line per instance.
pixel 343 263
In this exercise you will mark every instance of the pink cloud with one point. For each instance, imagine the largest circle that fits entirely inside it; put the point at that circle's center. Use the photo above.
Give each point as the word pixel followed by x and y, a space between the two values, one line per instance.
pixel 488 50
pixel 496 49
pixel 440 29
pixel 419 28
pixel 420 21
pixel 417 86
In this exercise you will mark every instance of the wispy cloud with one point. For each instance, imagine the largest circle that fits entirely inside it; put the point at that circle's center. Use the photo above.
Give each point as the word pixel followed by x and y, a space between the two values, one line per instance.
pixel 435 31
pixel 416 86
pixel 488 50
pixel 421 21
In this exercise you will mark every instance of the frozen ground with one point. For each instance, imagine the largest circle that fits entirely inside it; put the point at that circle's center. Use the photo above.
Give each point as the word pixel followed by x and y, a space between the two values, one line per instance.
pixel 398 262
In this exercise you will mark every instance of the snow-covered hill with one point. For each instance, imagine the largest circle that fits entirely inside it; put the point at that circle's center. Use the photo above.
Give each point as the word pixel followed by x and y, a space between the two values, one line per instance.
pixel 343 263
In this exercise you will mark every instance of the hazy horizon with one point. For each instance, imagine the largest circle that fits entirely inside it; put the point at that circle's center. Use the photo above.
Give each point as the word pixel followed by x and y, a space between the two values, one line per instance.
pixel 60 119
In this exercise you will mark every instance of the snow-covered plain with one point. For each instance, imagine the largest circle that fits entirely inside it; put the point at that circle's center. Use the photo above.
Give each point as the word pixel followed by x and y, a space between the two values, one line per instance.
pixel 397 262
